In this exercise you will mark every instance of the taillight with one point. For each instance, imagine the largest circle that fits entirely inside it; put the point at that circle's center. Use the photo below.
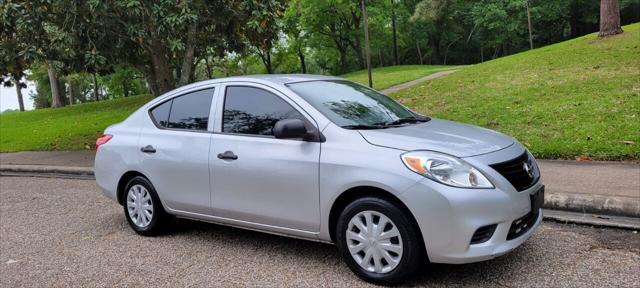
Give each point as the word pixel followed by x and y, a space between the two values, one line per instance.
pixel 102 140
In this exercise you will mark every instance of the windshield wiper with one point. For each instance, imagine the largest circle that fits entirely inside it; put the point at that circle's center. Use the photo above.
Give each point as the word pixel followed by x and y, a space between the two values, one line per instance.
pixel 405 120
pixel 364 127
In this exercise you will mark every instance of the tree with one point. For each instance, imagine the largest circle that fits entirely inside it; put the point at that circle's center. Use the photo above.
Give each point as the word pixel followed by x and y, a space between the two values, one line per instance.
pixel 12 66
pixel 609 18
pixel 337 22
pixel 33 30
pixel 436 13
pixel 166 39
pixel 297 37
pixel 395 33
pixel 262 30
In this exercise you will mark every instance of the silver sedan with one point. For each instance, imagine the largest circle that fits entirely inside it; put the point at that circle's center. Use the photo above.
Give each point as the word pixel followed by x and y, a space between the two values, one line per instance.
pixel 324 159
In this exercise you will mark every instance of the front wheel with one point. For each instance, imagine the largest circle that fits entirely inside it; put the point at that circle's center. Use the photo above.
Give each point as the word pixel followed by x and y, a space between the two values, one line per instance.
pixel 378 241
pixel 143 209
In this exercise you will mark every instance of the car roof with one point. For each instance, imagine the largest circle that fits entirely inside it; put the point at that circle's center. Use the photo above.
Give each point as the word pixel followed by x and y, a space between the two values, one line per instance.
pixel 277 79
pixel 280 78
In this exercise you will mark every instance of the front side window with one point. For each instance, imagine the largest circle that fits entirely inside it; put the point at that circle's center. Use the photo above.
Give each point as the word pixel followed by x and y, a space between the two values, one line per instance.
pixel 249 110
pixel 189 111
pixel 349 104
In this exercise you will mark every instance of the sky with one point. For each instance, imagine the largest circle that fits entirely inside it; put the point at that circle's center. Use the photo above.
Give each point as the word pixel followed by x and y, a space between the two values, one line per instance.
pixel 9 98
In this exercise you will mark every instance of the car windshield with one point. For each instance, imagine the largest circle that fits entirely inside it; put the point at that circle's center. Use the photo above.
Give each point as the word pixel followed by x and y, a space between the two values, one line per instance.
pixel 354 106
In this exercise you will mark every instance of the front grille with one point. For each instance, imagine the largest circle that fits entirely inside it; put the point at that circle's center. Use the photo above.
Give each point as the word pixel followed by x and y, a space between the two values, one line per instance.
pixel 522 225
pixel 514 171
pixel 483 234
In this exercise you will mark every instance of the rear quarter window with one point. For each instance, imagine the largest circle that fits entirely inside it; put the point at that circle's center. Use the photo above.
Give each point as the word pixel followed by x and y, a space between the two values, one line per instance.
pixel 160 114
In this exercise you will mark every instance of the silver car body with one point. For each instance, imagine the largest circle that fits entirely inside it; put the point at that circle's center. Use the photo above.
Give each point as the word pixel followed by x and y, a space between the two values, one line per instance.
pixel 289 187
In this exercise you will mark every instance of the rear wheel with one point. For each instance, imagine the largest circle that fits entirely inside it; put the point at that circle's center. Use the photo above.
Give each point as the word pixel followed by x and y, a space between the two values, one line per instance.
pixel 143 209
pixel 378 241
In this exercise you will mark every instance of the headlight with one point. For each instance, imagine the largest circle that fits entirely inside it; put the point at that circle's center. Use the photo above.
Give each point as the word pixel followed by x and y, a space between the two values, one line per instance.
pixel 446 169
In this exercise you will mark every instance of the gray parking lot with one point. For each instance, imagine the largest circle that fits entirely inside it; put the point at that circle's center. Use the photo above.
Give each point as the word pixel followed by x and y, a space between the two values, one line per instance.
pixel 63 232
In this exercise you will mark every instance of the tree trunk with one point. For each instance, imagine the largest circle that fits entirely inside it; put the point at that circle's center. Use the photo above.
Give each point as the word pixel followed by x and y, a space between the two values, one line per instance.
pixel 19 93
pixel 187 61
pixel 529 24
pixel 208 68
pixel 71 99
pixel 125 88
pixel 163 76
pixel 266 60
pixel 366 40
pixel 395 41
pixel 419 52
pixel 96 97
pixel 446 51
pixel 150 78
pixel 303 64
pixel 435 48
pixel 268 63
pixel 609 18
pixel 56 101
pixel 343 61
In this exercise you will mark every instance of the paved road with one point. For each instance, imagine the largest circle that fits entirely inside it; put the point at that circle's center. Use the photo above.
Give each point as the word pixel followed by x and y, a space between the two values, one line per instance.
pixel 57 232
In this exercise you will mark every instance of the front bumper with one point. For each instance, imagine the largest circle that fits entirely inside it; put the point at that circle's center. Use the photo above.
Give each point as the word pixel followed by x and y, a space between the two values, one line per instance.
pixel 447 225
pixel 448 217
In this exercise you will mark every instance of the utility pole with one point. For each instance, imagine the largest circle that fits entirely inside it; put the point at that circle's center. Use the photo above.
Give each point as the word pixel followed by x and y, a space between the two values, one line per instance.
pixel 393 24
pixel 366 40
pixel 529 21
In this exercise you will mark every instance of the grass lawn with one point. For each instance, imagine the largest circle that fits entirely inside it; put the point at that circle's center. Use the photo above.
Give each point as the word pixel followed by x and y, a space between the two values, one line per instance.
pixel 385 77
pixel 68 128
pixel 576 98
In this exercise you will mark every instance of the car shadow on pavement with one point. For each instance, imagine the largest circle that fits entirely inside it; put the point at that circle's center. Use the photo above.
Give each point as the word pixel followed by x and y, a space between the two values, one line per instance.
pixel 488 272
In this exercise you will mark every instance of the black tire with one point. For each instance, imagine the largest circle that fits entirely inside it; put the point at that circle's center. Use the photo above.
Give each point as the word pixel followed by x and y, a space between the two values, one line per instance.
pixel 412 256
pixel 159 220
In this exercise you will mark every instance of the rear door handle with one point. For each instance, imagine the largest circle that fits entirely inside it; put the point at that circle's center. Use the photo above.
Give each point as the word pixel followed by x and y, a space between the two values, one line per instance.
pixel 148 149
pixel 227 155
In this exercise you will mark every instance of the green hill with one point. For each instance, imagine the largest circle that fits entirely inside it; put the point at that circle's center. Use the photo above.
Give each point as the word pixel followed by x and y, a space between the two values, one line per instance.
pixel 576 98
pixel 68 128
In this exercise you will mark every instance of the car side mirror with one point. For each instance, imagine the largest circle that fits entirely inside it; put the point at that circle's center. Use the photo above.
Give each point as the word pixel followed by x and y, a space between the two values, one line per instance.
pixel 289 128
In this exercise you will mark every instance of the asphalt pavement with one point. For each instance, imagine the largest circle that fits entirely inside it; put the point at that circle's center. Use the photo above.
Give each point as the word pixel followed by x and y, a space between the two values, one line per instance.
pixel 63 232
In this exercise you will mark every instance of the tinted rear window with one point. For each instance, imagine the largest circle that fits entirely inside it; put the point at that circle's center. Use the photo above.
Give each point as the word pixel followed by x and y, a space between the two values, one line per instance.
pixel 189 111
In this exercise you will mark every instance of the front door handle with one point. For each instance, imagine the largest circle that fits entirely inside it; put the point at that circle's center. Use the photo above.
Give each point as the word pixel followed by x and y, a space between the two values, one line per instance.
pixel 227 155
pixel 148 149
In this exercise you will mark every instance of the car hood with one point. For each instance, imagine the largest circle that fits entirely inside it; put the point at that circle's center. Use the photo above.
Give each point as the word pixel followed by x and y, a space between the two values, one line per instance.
pixel 457 139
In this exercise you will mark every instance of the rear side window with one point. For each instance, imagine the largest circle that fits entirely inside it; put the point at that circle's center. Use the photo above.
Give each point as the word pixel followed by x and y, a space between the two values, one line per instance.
pixel 189 111
pixel 160 114
pixel 249 110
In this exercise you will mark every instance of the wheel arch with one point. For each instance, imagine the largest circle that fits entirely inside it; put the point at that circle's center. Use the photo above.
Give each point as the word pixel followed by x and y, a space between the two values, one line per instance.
pixel 357 192
pixel 122 183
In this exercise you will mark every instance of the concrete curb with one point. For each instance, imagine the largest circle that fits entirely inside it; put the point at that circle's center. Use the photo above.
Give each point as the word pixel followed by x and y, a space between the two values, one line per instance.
pixel 594 220
pixel 47 171
pixel 583 203
pixel 589 203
